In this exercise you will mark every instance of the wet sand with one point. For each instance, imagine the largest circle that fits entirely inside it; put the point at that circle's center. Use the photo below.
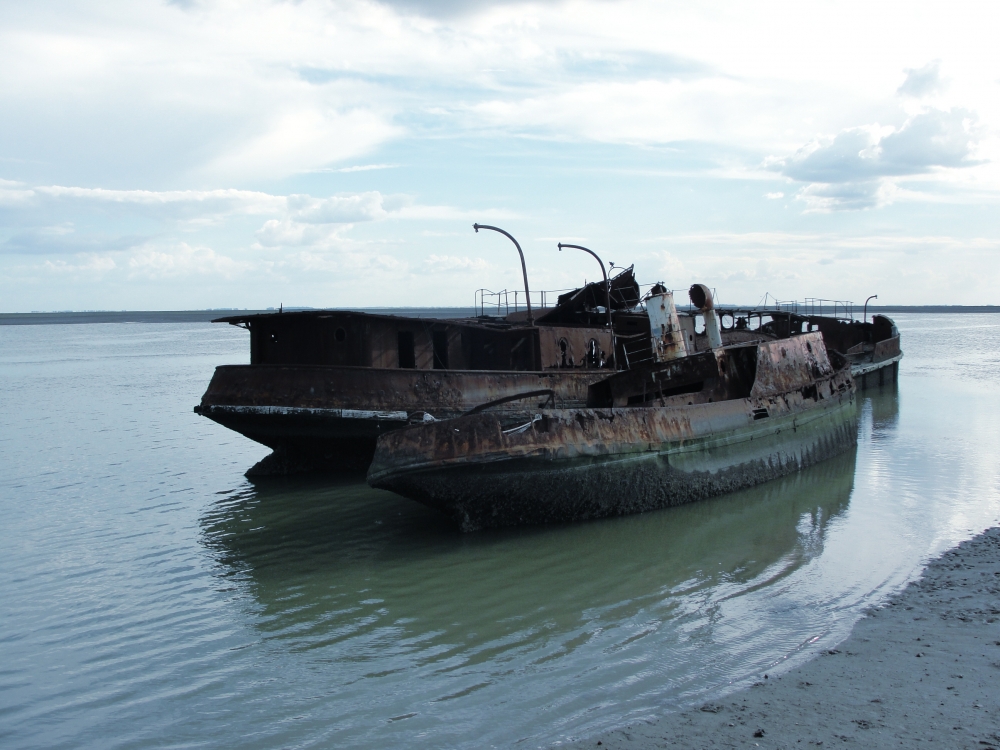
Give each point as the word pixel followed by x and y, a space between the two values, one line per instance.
pixel 922 670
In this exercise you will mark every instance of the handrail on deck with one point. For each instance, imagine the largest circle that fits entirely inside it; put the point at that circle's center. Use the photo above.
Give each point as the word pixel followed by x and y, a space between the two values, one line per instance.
pixel 843 309
pixel 508 298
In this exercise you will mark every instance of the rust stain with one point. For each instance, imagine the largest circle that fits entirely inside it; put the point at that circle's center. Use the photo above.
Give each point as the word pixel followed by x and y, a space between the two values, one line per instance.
pixel 586 431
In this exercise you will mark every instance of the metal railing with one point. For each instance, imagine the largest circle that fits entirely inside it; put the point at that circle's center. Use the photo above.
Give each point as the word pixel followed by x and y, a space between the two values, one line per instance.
pixel 507 301
pixel 843 309
pixel 635 348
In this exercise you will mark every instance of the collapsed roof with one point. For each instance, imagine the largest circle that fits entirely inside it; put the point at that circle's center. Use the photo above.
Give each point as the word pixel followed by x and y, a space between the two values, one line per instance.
pixel 573 306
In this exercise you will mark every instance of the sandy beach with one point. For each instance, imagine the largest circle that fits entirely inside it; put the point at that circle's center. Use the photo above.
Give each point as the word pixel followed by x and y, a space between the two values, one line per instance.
pixel 923 669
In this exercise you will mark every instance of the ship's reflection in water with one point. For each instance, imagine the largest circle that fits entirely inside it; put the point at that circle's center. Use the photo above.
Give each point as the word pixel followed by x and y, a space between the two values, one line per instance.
pixel 395 618
pixel 882 406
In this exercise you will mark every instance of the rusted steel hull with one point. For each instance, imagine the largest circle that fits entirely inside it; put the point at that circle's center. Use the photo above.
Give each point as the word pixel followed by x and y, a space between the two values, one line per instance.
pixel 878 367
pixel 873 349
pixel 576 464
pixel 330 417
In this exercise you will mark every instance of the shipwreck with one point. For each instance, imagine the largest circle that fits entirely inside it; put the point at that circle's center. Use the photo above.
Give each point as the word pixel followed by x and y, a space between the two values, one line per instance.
pixel 684 425
pixel 323 385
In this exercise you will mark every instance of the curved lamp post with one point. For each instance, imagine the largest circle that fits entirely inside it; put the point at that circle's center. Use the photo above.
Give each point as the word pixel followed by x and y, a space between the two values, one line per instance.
pixel 607 284
pixel 874 296
pixel 524 270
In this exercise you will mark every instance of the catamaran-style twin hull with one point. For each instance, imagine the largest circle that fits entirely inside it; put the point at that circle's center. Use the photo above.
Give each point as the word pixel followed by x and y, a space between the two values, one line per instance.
pixel 672 433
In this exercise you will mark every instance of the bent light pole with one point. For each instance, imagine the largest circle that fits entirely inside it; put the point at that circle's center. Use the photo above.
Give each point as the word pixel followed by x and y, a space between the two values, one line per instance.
pixel 874 296
pixel 607 284
pixel 524 270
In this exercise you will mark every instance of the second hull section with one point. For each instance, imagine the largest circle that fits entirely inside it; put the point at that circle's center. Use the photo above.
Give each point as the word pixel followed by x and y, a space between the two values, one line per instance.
pixel 537 489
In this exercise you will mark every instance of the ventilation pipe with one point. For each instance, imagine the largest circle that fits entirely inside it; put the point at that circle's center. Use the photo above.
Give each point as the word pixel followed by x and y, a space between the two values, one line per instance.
pixel 701 298
pixel 664 326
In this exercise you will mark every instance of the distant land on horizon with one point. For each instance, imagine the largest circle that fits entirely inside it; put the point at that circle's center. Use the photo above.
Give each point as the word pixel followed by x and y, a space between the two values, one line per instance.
pixel 205 316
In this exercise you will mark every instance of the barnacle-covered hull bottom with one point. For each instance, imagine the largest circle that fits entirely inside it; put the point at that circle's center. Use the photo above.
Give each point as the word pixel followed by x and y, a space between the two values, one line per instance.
pixel 576 464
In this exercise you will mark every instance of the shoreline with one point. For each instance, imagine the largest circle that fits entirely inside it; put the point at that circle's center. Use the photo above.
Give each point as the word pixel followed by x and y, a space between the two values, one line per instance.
pixel 922 667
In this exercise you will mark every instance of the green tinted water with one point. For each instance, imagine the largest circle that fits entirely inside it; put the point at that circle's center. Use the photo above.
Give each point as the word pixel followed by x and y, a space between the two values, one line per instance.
pixel 152 596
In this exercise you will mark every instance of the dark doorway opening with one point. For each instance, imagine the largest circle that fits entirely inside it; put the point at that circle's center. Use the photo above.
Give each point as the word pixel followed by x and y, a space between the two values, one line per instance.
pixel 407 356
pixel 440 339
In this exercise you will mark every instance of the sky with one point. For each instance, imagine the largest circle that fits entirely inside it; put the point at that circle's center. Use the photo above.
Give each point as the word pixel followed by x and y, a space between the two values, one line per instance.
pixel 248 154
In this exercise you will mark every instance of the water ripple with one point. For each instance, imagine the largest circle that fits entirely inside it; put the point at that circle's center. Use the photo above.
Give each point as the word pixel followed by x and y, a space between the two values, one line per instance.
pixel 155 597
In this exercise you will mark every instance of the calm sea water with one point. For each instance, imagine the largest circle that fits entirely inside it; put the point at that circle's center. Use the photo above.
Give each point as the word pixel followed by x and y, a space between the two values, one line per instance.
pixel 151 596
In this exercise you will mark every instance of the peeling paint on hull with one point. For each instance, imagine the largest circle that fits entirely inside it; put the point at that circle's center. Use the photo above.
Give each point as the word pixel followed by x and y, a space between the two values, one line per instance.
pixel 594 463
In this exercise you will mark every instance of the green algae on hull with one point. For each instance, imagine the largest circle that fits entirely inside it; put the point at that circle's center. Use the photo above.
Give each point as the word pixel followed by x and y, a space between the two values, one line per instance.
pixel 576 464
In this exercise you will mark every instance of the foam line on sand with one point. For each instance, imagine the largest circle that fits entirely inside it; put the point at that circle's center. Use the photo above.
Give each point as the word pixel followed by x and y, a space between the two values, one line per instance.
pixel 921 670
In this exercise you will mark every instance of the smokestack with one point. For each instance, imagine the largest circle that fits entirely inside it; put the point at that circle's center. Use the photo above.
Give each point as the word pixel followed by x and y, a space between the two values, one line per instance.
pixel 701 298
pixel 664 327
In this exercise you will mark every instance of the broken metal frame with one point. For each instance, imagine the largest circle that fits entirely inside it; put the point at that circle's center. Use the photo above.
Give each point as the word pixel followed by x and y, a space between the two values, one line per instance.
pixel 549 393
pixel 607 284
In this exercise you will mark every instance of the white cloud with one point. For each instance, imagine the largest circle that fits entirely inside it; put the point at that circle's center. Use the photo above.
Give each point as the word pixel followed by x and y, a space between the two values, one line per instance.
pixel 819 241
pixel 847 172
pixel 345 208
pixel 845 196
pixel 344 263
pixel 900 268
pixel 288 233
pixel 356 168
pixel 212 93
pixel 183 260
pixel 714 108
pixel 924 142
pixel 64 239
pixel 338 209
pixel 455 8
pixel 451 263
pixel 298 219
pixel 931 139
pixel 607 119
pixel 451 213
pixel 922 81
pixel 301 141
pixel 86 264
pixel 175 203
pixel 13 193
